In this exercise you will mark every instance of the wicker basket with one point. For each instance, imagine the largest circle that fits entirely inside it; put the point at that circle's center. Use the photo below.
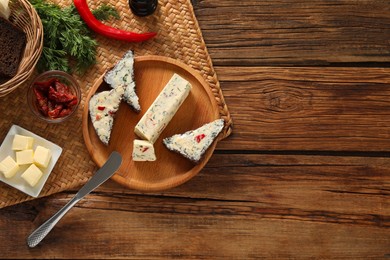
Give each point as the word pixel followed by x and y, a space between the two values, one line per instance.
pixel 24 16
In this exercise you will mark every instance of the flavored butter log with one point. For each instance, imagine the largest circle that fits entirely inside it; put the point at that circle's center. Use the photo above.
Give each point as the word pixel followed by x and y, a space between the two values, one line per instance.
pixel 163 109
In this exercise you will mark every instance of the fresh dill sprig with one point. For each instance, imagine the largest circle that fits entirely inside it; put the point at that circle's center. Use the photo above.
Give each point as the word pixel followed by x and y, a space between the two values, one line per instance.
pixel 68 43
pixel 105 12
pixel 52 59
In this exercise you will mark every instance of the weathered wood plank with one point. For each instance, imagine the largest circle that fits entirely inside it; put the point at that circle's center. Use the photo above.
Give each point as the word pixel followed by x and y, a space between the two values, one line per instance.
pixel 290 32
pixel 334 109
pixel 326 184
pixel 239 206
pixel 86 232
pixel 225 233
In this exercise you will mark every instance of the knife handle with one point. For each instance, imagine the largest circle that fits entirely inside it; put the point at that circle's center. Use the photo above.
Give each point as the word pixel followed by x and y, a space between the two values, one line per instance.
pixel 103 174
pixel 40 233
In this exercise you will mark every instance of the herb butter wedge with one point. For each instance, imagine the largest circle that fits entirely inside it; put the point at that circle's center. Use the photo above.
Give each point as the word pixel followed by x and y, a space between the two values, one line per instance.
pixel 123 75
pixel 102 110
pixel 193 144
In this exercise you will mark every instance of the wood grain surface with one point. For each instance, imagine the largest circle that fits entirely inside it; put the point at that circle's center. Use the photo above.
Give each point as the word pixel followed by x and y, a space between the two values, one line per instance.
pixel 305 174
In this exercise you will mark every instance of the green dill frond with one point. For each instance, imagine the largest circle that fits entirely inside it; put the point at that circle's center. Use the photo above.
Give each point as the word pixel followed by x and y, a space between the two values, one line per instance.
pixel 105 12
pixel 52 59
pixel 67 39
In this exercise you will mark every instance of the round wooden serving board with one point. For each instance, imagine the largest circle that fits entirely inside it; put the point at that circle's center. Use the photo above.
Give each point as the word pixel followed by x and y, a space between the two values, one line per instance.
pixel 151 74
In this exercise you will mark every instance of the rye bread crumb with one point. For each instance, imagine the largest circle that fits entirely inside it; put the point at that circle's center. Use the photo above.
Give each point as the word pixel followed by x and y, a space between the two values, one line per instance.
pixel 12 45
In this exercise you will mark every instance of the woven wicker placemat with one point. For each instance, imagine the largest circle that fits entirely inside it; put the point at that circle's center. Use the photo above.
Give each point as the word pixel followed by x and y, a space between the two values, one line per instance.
pixel 179 37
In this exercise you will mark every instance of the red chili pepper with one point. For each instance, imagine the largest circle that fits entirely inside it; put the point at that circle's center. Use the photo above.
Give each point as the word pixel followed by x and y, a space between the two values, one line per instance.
pixel 144 149
pixel 101 108
pixel 99 27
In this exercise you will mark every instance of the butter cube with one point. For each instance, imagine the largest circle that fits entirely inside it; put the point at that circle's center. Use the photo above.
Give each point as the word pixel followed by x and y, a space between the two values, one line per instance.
pixel 143 151
pixel 32 175
pixel 9 167
pixel 24 157
pixel 21 142
pixel 42 156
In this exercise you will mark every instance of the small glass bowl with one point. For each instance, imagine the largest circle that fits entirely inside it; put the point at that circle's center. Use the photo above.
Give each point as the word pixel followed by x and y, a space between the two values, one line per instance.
pixel 64 78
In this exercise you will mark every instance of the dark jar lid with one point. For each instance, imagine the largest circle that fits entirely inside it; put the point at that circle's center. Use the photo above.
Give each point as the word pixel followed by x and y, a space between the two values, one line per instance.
pixel 143 7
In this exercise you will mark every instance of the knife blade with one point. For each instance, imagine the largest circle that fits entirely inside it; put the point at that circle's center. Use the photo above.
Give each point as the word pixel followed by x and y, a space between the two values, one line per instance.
pixel 103 174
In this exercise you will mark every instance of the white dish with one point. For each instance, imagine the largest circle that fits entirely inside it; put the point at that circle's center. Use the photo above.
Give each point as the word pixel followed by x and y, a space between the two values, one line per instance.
pixel 17 181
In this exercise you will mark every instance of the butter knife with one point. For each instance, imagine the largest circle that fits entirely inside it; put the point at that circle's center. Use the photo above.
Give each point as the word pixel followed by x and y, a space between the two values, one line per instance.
pixel 103 174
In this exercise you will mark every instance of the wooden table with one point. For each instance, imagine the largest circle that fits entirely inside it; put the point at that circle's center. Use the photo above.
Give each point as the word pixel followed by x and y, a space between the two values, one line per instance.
pixel 306 173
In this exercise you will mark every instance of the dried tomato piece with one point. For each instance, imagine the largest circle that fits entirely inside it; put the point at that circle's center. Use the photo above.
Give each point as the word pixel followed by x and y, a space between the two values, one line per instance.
pixel 72 103
pixel 41 101
pixel 65 112
pixel 61 88
pixel 53 113
pixel 59 97
pixel 44 85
